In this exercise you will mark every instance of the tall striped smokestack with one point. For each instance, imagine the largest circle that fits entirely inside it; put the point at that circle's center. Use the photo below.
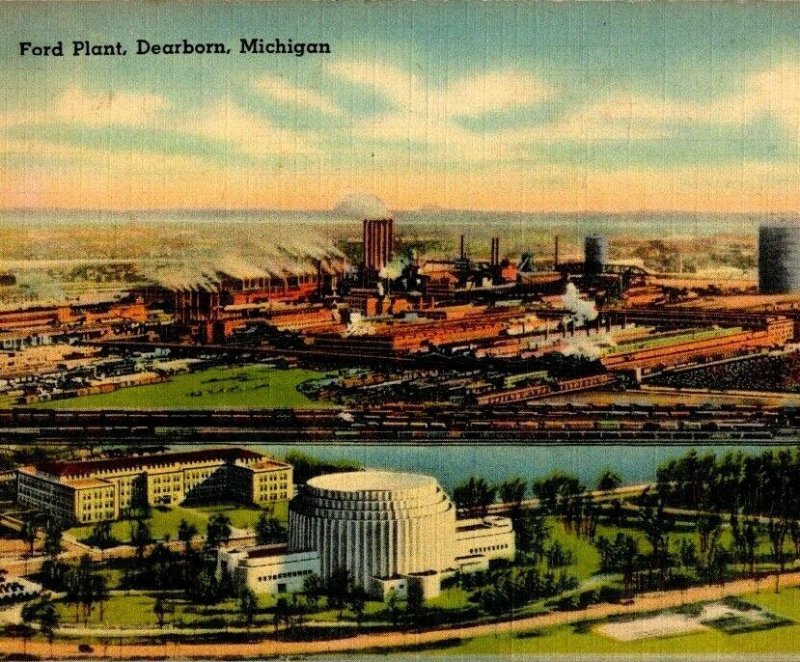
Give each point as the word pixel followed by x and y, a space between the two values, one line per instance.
pixel 378 243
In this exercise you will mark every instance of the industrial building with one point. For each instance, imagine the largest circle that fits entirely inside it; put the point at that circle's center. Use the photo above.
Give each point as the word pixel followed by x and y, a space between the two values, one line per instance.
pixel 105 490
pixel 387 529
pixel 779 259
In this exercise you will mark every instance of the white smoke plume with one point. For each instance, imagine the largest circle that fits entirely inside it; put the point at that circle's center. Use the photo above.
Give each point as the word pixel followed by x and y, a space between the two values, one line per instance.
pixel 582 347
pixel 581 309
pixel 394 269
pixel 361 205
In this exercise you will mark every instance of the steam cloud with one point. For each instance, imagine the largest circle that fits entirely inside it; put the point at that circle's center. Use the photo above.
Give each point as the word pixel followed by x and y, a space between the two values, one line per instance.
pixel 394 269
pixel 361 205
pixel 582 310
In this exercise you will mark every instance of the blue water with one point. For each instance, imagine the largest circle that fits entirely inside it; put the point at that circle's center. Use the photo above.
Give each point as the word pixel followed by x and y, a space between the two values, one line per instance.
pixel 453 464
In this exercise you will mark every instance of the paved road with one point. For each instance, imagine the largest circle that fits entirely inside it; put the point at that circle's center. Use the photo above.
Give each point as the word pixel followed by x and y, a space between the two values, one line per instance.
pixel 265 648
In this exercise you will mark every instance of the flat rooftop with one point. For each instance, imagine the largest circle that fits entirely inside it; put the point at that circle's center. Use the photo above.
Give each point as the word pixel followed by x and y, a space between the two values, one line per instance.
pixel 371 481
pixel 267 551
pixel 67 469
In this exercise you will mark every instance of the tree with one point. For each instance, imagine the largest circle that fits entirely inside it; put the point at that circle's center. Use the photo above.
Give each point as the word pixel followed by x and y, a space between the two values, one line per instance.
pixel 269 530
pixel 392 609
pixel 101 536
pixel 532 533
pixel 656 526
pixel 52 539
pixel 140 537
pixel 357 601
pixel 776 532
pixel 218 531
pixel 608 480
pixel 415 602
pixel 282 613
pixel 687 552
pixel 99 587
pixel 205 588
pixel 74 591
pixel 161 608
pixel 28 532
pixel 28 615
pixel 186 532
pixel 48 622
pixel 474 496
pixel 338 589
pixel 248 606
pixel 313 587
pixel 513 492
pixel 557 491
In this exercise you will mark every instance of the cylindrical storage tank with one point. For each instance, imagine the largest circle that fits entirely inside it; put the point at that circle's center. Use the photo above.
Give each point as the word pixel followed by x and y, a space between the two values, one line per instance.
pixel 779 259
pixel 595 252
pixel 375 524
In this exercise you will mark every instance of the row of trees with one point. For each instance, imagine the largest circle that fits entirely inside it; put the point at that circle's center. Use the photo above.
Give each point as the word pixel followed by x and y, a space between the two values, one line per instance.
pixel 516 587
pixel 557 492
pixel 766 484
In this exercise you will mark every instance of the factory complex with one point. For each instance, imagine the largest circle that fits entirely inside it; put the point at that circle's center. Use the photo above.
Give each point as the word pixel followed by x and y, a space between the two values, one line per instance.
pixel 387 529
pixel 106 490
pixel 403 326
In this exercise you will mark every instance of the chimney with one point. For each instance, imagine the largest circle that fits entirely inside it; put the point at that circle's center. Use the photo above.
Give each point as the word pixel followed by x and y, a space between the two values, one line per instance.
pixel 555 255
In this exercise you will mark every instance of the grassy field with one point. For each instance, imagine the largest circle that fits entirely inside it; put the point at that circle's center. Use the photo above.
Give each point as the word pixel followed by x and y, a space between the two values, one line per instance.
pixel 136 611
pixel 573 640
pixel 246 386
pixel 165 522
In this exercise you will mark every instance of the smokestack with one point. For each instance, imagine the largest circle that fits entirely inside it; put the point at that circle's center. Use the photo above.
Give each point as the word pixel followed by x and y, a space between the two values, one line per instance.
pixel 494 260
pixel 555 255
pixel 462 247
pixel 378 243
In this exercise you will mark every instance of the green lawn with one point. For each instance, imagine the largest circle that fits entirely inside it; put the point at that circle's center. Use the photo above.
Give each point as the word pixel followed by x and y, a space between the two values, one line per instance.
pixel 245 517
pixel 586 560
pixel 137 611
pixel 165 522
pixel 584 641
pixel 250 386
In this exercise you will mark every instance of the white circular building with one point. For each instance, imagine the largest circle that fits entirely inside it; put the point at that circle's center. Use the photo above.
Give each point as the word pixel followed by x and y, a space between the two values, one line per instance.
pixel 389 530
pixel 375 524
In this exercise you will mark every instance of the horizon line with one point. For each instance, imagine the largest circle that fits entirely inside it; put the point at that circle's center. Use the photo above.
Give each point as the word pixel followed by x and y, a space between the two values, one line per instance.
pixel 423 209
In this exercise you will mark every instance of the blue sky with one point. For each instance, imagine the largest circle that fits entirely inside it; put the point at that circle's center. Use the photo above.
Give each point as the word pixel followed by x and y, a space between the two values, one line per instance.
pixel 503 105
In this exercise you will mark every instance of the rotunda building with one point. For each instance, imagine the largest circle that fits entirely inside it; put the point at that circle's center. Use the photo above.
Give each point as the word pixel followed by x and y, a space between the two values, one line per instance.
pixel 375 524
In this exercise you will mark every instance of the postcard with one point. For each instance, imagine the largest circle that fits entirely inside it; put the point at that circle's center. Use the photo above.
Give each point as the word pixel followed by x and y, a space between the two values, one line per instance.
pixel 407 329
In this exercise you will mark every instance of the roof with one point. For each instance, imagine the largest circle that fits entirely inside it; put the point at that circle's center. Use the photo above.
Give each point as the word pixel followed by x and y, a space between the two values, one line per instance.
pixel 86 483
pixel 268 465
pixel 363 481
pixel 66 469
pixel 266 551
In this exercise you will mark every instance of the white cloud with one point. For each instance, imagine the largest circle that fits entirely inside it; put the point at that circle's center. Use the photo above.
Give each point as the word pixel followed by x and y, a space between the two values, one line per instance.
pixel 283 91
pixel 252 135
pixel 430 116
pixel 494 91
pixel 402 88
